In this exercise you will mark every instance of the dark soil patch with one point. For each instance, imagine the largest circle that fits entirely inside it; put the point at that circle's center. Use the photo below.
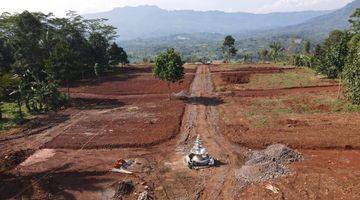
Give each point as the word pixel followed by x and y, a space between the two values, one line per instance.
pixel 10 160
pixel 236 78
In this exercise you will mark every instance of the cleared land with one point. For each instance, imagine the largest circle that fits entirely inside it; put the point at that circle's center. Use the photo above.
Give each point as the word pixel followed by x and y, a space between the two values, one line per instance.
pixel 127 115
pixel 302 110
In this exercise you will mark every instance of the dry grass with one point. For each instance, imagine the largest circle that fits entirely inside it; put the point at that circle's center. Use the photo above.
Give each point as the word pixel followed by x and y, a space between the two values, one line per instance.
pixel 301 77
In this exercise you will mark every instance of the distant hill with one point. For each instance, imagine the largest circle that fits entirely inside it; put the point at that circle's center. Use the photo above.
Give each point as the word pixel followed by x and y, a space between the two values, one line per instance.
pixel 200 44
pixel 151 21
pixel 316 28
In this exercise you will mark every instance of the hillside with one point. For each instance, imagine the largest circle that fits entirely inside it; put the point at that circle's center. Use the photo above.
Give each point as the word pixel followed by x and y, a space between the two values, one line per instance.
pixel 319 27
pixel 207 44
pixel 151 21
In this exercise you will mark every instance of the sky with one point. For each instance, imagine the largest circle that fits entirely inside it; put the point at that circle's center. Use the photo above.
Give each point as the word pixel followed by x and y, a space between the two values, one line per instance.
pixel 60 7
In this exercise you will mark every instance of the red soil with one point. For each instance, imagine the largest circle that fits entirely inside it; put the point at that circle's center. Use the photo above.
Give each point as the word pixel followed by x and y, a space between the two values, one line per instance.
pixel 323 174
pixel 130 85
pixel 139 123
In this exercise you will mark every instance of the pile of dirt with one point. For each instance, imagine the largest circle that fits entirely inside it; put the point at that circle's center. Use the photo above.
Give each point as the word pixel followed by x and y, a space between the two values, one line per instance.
pixel 236 78
pixel 267 164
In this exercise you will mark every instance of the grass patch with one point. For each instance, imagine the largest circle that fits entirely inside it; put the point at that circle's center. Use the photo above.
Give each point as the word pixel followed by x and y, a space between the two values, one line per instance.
pixel 300 77
pixel 10 116
pixel 263 112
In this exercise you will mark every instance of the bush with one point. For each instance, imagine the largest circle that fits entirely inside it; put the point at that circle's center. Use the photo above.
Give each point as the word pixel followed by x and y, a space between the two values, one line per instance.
pixel 351 72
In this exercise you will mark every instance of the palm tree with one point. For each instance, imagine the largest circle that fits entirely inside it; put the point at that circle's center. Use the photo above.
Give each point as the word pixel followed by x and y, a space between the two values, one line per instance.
pixel 276 49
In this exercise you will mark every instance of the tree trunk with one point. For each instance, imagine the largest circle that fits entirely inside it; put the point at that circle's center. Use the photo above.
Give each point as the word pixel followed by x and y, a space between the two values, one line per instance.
pixel 338 96
pixel 20 110
pixel 1 117
pixel 169 86
pixel 68 88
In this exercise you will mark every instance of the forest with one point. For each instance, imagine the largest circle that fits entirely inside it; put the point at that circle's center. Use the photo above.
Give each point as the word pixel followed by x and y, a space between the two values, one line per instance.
pixel 40 53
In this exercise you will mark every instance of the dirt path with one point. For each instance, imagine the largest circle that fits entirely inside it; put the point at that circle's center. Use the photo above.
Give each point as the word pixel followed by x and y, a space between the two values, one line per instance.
pixel 201 118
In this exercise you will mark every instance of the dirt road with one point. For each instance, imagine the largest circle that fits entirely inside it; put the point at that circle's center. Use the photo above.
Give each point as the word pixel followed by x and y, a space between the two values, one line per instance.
pixel 201 118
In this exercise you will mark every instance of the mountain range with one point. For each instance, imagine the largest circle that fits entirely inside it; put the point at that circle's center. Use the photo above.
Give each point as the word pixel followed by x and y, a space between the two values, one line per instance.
pixel 151 21
pixel 145 31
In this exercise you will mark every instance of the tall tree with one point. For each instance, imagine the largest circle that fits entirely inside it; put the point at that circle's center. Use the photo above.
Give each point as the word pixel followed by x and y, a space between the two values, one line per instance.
pixel 61 63
pixel 263 54
pixel 333 54
pixel 307 47
pixel 276 49
pixel 169 67
pixel 28 42
pixel 351 72
pixel 6 56
pixel 117 55
pixel 228 48
pixel 100 46
pixel 355 21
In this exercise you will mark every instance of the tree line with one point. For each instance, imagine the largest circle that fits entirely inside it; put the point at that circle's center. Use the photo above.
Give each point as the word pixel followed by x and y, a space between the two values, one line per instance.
pixel 40 52
pixel 337 57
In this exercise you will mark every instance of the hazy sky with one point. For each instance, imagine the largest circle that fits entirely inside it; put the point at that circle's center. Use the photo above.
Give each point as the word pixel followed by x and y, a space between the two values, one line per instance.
pixel 59 7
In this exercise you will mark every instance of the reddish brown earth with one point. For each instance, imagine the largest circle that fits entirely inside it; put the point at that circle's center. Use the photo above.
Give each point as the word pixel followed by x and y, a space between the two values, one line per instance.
pixel 72 152
pixel 328 141
pixel 324 174
pixel 139 123
pixel 131 84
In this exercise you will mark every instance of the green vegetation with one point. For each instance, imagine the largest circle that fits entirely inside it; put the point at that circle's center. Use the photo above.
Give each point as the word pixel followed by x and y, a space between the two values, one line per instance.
pixel 338 57
pixel 228 48
pixel 169 67
pixel 351 72
pixel 263 54
pixel 296 78
pixel 276 50
pixel 39 53
pixel 117 55
pixel 10 116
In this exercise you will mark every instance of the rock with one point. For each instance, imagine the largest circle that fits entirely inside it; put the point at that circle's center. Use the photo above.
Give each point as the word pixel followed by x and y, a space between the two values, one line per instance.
pixel 181 95
pixel 267 164
pixel 144 196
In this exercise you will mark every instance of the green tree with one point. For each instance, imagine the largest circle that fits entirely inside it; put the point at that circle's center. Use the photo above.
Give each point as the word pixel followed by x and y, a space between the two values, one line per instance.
pixel 117 55
pixel 61 63
pixel 355 21
pixel 263 54
pixel 276 49
pixel 6 56
pixel 351 72
pixel 169 67
pixel 332 57
pixel 228 48
pixel 100 45
pixel 307 47
pixel 248 58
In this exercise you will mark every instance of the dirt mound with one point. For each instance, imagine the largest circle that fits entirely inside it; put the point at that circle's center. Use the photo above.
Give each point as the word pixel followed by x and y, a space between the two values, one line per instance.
pixel 236 78
pixel 267 164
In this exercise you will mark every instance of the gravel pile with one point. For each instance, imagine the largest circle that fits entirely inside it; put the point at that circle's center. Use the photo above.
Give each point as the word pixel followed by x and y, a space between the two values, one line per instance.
pixel 267 164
